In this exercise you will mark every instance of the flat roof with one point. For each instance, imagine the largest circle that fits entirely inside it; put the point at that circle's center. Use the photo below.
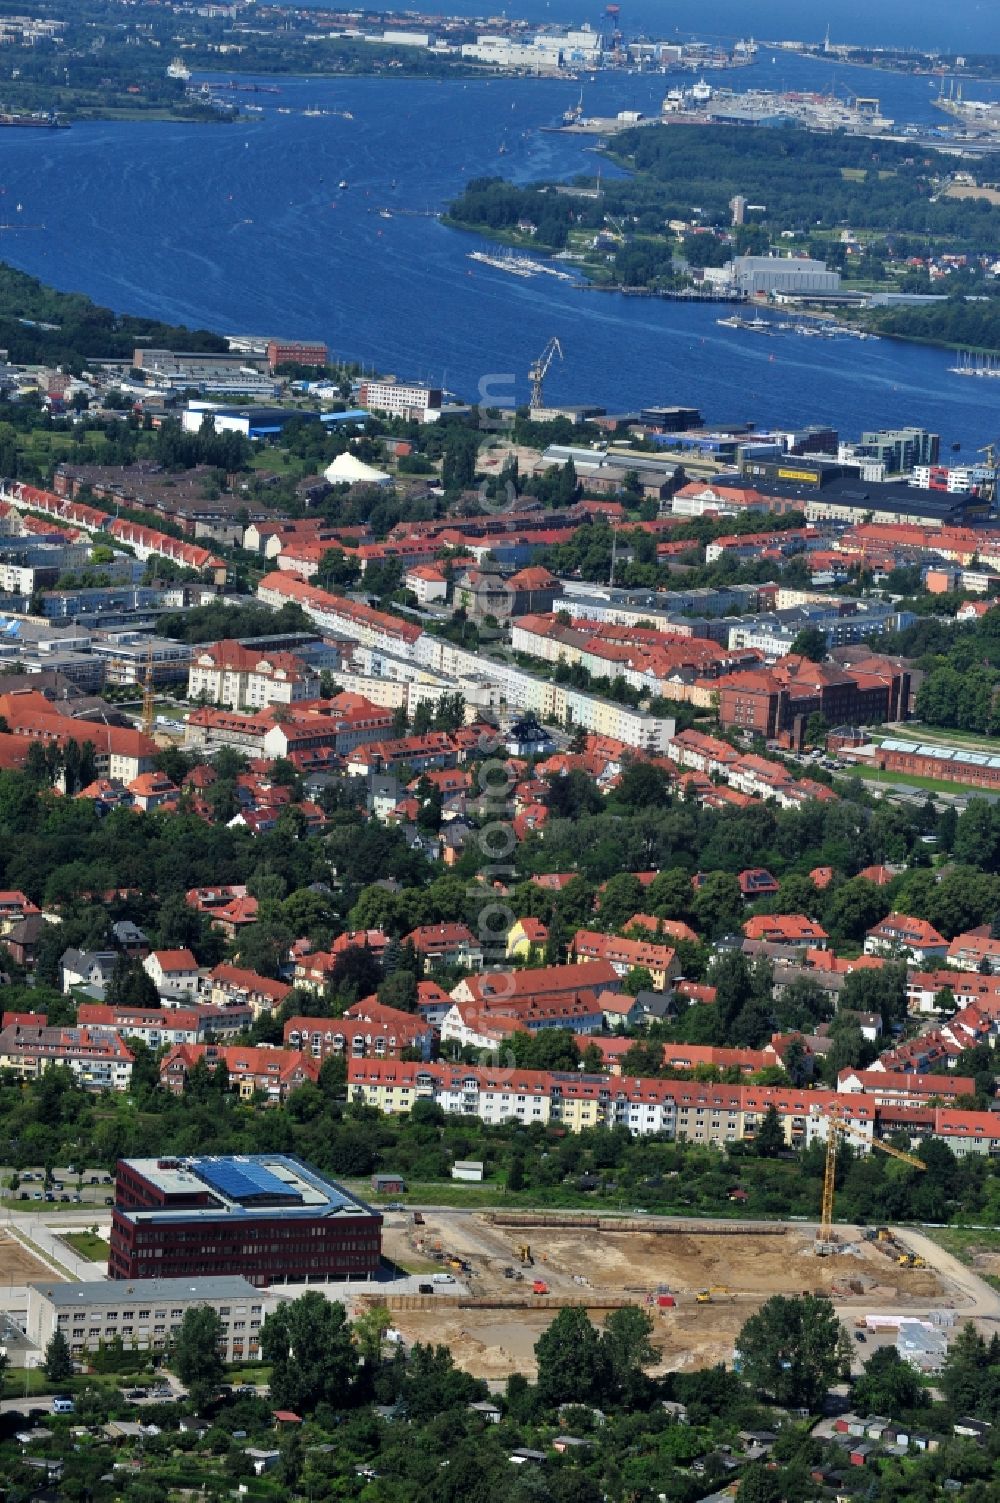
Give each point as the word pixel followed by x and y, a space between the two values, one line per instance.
pixel 268 1184
pixel 113 1291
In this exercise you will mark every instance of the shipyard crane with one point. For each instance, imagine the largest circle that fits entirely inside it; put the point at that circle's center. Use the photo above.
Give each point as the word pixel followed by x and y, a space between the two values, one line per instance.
pixel 540 369
pixel 837 1127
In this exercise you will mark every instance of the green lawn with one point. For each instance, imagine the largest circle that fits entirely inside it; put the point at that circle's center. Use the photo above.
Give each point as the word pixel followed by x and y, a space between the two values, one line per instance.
pixel 172 710
pixel 88 1246
pixel 897 779
pixel 20 1382
pixel 254 1372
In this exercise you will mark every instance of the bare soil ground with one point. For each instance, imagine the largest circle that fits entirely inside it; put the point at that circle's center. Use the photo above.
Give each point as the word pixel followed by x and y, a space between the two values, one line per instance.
pixel 494 1343
pixel 968 190
pixel 740 1271
pixel 18 1266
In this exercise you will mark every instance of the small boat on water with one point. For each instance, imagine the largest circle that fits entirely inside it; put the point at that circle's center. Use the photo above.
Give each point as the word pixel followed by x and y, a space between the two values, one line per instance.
pixel 342 184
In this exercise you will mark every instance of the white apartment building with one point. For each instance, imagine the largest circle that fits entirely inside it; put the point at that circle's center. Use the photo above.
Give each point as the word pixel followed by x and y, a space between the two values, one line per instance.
pixel 397 399
pixel 145 1312
pixel 229 674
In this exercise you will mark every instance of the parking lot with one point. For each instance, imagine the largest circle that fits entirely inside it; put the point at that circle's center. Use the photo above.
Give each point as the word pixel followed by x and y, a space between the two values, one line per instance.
pixel 67 1185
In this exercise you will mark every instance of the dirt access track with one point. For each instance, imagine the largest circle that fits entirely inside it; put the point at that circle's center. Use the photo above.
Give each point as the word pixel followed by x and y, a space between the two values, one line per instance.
pixel 491 1321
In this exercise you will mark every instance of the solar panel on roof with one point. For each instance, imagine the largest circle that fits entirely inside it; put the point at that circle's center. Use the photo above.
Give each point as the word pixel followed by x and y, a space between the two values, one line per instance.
pixel 244 1182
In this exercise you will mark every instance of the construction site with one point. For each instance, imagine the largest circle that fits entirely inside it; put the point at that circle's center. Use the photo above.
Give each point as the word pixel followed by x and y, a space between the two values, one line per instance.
pixel 488 1284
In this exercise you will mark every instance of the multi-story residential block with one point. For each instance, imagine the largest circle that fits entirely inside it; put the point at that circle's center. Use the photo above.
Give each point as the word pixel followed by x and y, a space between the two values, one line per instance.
pixel 157 1027
pixel 366 1030
pixel 975 950
pixel 97 1057
pixel 693 1111
pixel 232 986
pixel 229 673
pixel 887 1088
pixel 446 944
pixel 484 1026
pixel 266 1217
pixel 313 967
pixel 273 1073
pixel 427 581
pixel 495 989
pixel 624 955
pixel 898 934
pixel 146 1316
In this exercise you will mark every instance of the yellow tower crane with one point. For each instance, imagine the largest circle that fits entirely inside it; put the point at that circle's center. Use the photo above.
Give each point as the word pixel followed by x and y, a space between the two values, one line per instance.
pixel 836 1129
pixel 148 692
pixel 990 460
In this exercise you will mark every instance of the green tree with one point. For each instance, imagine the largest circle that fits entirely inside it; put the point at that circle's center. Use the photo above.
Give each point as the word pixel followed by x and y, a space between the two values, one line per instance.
pixel 810 643
pixel 888 1385
pixel 308 1343
pixel 717 905
pixel 571 1363
pixel 131 985
pixel 966 1371
pixel 789 1349
pixel 759 1484
pixel 197 1356
pixel 770 1140
pixel 58 1362
pixel 643 785
pixel 369 1333
pixel 627 1349
pixel 620 901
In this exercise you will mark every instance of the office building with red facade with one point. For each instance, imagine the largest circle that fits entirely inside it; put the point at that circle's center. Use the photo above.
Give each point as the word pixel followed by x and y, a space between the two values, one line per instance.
pixel 266 1217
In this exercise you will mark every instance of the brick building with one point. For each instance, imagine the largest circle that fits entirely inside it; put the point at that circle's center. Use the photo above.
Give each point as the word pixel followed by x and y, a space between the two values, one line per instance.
pixel 778 702
pixel 295 352
pixel 266 1217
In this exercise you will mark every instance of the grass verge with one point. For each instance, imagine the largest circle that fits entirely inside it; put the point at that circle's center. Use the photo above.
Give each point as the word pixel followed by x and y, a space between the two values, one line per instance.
pixel 87 1245
pixel 967 1244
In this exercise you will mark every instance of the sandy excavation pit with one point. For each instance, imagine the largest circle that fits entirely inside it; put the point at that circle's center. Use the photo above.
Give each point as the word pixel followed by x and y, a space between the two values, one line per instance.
pixel 740 1272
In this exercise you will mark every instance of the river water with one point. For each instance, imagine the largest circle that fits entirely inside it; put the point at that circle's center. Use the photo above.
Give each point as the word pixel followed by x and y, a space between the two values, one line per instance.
pixel 244 228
